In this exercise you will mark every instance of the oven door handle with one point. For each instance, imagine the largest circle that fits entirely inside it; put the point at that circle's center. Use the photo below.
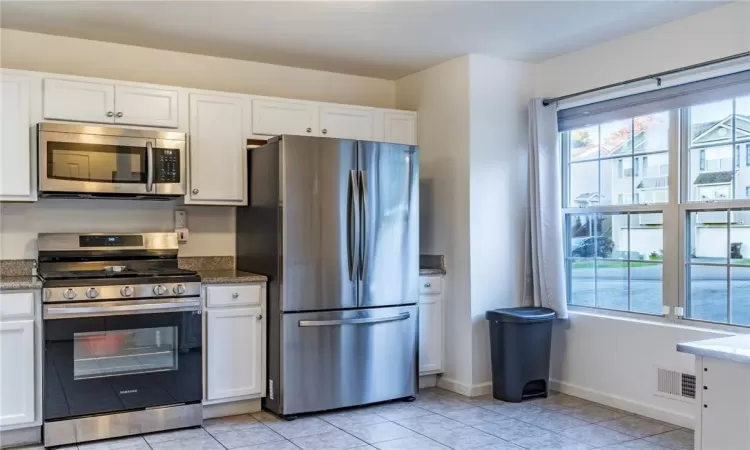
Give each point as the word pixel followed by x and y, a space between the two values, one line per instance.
pixel 69 311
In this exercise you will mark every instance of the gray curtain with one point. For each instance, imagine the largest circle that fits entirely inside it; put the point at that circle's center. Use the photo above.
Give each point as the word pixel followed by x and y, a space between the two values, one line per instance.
pixel 545 261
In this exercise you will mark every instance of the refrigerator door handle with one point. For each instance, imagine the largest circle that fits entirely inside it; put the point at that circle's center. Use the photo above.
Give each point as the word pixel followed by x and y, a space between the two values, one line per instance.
pixel 365 320
pixel 352 225
pixel 363 223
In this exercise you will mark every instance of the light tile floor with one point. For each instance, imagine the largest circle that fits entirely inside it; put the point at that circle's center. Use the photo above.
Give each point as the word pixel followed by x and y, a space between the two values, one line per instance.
pixel 438 419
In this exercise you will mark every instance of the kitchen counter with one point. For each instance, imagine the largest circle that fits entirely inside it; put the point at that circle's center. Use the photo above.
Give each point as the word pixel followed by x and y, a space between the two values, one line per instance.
pixel 230 276
pixel 733 348
pixel 18 283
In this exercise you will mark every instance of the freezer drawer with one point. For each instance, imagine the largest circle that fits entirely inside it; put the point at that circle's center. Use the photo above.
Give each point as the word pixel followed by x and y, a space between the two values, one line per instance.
pixel 336 359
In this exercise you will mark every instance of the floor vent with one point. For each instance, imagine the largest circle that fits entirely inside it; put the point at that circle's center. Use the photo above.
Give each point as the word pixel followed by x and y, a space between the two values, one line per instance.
pixel 676 384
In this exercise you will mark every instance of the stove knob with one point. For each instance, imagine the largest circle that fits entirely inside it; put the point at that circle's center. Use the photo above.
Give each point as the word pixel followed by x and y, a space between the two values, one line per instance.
pixel 69 294
pixel 92 292
pixel 159 289
pixel 179 289
pixel 127 291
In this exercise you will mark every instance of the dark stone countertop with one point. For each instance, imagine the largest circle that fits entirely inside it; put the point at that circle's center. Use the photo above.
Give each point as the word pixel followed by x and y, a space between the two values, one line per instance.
pixel 230 276
pixel 431 271
pixel 19 283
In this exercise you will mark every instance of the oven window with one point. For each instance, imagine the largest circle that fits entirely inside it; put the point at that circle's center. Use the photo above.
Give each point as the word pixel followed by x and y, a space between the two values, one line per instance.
pixel 124 352
pixel 96 162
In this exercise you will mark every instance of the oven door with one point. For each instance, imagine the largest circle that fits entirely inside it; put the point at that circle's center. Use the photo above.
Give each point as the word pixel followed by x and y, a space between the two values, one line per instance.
pixel 105 357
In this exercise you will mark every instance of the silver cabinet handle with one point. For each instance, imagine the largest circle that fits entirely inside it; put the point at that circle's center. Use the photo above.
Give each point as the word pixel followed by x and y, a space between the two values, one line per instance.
pixel 195 191
pixel 235 295
pixel 324 131
pixel 427 285
pixel 150 169
pixel 260 316
pixel 119 114
pixel 110 114
pixel 365 320
pixel 309 130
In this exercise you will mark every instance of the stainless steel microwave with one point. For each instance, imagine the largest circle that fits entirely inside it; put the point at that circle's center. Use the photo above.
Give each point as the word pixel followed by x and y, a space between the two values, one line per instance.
pixel 93 161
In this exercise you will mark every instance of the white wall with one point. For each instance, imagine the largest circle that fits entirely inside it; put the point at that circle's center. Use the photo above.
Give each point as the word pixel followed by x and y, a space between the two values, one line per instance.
pixel 473 140
pixel 440 95
pixel 499 93
pixel 613 360
pixel 212 228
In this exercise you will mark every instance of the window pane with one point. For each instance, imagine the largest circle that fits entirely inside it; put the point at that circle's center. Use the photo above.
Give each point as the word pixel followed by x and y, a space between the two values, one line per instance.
pixel 582 284
pixel 617 138
pixel 711 173
pixel 615 190
pixel 617 233
pixel 647 236
pixel 584 184
pixel 708 294
pixel 612 285
pixel 742 121
pixel 739 237
pixel 652 133
pixel 708 236
pixel 584 143
pixel 646 287
pixel 652 186
pixel 740 285
pixel 711 123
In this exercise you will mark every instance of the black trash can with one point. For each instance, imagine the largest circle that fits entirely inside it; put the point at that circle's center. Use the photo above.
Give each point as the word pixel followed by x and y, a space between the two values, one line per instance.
pixel 520 341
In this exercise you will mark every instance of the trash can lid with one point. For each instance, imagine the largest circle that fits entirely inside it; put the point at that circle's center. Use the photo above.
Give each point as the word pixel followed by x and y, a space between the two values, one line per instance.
pixel 523 314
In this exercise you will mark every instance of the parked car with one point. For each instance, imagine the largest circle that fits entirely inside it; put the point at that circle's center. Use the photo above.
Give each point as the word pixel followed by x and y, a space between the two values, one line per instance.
pixel 590 247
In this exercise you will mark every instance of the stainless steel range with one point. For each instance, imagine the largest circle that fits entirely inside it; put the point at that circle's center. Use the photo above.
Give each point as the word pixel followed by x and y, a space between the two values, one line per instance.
pixel 122 336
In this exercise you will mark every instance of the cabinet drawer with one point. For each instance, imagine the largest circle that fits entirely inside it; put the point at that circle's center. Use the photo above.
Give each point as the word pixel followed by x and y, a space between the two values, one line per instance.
pixel 233 295
pixel 430 285
pixel 16 305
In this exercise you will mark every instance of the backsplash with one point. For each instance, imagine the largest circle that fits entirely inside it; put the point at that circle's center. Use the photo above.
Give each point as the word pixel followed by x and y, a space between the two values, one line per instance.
pixel 206 262
pixel 211 227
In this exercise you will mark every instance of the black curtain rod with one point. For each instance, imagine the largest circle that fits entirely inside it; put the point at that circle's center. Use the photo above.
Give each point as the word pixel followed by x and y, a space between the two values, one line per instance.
pixel 653 76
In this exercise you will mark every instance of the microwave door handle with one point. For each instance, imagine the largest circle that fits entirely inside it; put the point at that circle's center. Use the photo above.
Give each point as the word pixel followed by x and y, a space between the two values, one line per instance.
pixel 149 166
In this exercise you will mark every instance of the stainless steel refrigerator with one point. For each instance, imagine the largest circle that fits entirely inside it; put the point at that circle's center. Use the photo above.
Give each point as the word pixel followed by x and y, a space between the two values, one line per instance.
pixel 334 224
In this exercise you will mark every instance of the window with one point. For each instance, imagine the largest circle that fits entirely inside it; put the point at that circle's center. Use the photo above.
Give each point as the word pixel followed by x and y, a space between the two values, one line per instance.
pixel 618 251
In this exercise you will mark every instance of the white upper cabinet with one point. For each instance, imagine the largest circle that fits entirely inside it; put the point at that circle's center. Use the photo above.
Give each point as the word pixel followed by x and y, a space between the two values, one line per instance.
pixel 275 117
pixel 79 101
pixel 84 101
pixel 17 380
pixel 146 106
pixel 234 359
pixel 347 122
pixel 16 155
pixel 219 127
pixel 400 127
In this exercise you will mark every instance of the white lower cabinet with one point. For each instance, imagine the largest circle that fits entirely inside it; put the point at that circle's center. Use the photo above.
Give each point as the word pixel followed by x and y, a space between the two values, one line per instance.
pixel 20 354
pixel 430 327
pixel 235 350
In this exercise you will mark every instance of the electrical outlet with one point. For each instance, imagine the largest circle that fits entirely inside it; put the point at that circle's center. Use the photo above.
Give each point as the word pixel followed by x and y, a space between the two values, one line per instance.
pixel 180 219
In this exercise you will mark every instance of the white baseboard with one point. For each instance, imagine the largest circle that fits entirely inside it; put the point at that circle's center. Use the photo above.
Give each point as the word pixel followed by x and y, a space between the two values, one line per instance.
pixel 231 408
pixel 469 390
pixel 21 436
pixel 615 401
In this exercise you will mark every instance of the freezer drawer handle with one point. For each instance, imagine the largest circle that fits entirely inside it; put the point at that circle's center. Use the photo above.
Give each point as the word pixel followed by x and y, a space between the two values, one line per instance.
pixel 328 323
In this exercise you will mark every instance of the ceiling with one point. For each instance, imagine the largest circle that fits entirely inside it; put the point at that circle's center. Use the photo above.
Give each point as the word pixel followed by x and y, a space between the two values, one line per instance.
pixel 383 39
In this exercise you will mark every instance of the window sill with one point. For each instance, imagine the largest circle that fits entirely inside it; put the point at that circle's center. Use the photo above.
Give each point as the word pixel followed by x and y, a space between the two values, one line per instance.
pixel 683 324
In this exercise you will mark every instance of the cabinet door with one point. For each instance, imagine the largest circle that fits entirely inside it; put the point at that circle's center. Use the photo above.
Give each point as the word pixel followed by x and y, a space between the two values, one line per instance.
pixel 234 358
pixel 347 122
pixel 146 106
pixel 274 117
pixel 400 127
pixel 16 155
pixel 430 334
pixel 79 101
pixel 217 149
pixel 16 372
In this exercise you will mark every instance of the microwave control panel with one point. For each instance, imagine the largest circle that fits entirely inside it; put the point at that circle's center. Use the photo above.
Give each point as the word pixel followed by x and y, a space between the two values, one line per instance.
pixel 167 162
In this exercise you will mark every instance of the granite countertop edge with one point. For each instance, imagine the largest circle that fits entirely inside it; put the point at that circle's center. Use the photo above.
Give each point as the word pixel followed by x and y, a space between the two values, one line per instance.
pixel 733 348
pixel 20 283
pixel 432 271
pixel 230 276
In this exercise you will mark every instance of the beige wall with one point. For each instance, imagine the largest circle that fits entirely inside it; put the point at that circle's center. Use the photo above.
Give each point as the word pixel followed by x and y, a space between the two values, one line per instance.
pixel 46 53
pixel 212 227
